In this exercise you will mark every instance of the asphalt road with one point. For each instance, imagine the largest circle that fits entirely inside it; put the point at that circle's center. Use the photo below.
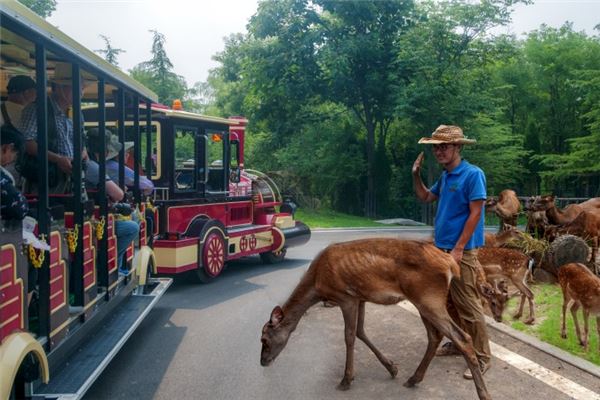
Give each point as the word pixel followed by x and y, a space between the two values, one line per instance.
pixel 203 342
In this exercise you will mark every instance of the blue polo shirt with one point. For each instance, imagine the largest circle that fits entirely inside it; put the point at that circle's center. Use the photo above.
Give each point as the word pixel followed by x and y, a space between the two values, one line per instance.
pixel 455 190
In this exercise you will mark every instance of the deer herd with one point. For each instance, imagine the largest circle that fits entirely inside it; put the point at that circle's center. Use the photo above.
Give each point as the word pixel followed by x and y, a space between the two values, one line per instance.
pixel 386 271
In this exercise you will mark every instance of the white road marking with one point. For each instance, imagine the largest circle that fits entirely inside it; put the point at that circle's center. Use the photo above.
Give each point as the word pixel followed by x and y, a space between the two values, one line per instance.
pixel 552 379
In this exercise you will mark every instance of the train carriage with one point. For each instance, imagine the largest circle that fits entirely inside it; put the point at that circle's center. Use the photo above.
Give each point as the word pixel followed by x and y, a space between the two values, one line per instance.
pixel 65 310
pixel 207 208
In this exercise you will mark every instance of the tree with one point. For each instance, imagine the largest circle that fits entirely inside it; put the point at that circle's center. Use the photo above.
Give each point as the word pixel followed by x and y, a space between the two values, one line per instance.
pixel 157 73
pixel 110 53
pixel 43 8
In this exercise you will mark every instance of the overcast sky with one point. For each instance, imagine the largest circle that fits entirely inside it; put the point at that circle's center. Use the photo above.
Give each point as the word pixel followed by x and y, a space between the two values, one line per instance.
pixel 194 29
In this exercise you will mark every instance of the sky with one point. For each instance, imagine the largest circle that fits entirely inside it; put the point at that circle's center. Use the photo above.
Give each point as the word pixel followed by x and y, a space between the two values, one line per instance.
pixel 195 29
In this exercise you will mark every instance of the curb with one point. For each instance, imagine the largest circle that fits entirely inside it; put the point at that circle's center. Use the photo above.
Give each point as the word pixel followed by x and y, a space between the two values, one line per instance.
pixel 554 351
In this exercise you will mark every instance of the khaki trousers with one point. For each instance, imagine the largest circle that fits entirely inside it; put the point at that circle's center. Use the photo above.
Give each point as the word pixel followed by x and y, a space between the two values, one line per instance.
pixel 465 296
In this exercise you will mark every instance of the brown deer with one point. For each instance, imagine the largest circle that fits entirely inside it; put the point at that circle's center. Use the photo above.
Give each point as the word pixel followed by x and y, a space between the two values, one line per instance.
pixel 587 226
pixel 511 264
pixel 506 207
pixel 381 271
pixel 537 221
pixel 555 215
pixel 581 288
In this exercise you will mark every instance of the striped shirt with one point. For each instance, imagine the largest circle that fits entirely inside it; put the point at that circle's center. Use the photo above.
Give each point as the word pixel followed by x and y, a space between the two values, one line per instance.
pixel 64 128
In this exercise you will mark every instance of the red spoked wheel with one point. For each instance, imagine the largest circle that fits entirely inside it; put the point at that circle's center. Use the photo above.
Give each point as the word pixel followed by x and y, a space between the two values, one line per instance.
pixel 212 254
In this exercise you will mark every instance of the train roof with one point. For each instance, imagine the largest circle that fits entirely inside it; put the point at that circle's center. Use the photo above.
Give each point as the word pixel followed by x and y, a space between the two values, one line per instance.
pixel 20 49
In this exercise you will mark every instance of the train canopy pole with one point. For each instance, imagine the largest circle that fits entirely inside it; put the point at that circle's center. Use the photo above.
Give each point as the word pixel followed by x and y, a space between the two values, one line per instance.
pixel 43 217
pixel 102 199
pixel 121 133
pixel 226 162
pixel 78 186
pixel 137 154
pixel 149 149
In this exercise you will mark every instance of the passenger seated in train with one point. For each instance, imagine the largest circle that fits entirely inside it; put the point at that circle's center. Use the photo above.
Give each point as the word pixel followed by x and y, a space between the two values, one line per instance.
pixel 126 223
pixel 13 205
pixel 113 146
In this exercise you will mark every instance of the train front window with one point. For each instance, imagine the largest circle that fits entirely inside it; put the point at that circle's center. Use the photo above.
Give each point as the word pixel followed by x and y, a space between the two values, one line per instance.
pixel 185 159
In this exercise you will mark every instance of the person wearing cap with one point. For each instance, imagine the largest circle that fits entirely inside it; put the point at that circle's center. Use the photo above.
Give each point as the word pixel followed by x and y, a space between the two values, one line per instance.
pixel 20 93
pixel 60 141
pixel 460 192
pixel 113 147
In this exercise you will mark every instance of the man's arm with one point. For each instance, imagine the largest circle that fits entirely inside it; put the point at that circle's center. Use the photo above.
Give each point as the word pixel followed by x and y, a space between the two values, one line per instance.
pixel 64 163
pixel 114 192
pixel 421 191
pixel 475 209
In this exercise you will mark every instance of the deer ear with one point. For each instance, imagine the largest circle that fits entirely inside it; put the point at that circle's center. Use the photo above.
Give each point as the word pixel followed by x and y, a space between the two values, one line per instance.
pixel 276 315
pixel 503 286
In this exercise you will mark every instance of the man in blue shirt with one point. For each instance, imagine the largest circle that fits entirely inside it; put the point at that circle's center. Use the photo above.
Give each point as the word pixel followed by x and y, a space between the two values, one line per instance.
pixel 460 192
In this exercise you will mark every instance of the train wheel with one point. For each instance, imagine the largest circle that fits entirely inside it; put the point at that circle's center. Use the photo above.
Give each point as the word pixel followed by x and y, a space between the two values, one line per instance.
pixel 272 257
pixel 211 257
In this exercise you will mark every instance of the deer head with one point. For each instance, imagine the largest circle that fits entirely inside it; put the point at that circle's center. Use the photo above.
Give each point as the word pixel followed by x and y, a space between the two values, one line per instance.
pixel 490 203
pixel 496 298
pixel 542 203
pixel 274 337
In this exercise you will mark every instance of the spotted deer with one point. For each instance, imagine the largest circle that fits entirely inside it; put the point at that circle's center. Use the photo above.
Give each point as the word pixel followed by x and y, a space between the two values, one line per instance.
pixel 503 263
pixel 581 289
pixel 381 271
pixel 587 226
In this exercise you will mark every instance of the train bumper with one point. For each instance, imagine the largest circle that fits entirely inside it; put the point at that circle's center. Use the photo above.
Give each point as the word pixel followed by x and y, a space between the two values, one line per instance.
pixel 297 235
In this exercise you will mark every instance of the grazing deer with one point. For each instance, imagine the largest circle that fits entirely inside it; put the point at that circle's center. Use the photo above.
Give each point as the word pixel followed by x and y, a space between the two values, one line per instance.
pixel 501 238
pixel 381 271
pixel 587 226
pixel 498 263
pixel 581 288
pixel 506 207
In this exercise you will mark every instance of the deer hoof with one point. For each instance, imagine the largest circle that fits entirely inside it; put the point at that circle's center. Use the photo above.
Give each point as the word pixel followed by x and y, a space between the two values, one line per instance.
pixel 393 369
pixel 344 384
pixel 530 321
pixel 563 335
pixel 516 316
pixel 411 382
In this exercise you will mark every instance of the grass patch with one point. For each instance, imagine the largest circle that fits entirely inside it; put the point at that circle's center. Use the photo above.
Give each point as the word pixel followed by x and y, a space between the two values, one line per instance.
pixel 332 219
pixel 548 309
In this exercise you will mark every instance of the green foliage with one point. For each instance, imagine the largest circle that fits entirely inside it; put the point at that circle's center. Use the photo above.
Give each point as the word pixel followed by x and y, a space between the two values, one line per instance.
pixel 43 8
pixel 326 218
pixel 338 94
pixel 110 53
pixel 157 73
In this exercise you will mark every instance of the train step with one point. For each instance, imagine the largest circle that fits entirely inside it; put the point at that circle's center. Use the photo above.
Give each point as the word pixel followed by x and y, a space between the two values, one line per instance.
pixel 87 363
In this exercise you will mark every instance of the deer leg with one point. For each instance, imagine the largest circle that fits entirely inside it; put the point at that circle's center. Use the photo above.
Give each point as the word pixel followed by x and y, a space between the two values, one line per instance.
pixel 350 313
pixel 586 333
pixel 434 337
pixel 526 293
pixel 574 309
pixel 566 306
pixel 519 312
pixel 598 330
pixel 464 343
pixel 360 333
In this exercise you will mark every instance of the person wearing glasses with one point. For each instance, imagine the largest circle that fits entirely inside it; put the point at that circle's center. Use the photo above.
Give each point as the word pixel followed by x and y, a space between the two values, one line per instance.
pixel 458 230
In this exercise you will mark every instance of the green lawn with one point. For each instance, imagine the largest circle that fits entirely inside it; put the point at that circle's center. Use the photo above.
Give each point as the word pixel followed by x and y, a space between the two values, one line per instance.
pixel 548 309
pixel 332 219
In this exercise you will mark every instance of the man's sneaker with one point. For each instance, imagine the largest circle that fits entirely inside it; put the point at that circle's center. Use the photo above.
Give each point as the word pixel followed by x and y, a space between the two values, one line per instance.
pixel 483 367
pixel 448 349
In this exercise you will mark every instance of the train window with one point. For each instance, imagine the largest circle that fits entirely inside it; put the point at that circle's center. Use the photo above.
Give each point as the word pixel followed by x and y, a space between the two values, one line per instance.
pixel 185 159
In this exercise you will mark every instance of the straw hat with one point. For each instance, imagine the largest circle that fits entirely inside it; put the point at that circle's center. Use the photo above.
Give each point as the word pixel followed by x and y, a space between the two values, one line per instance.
pixel 63 73
pixel 447 134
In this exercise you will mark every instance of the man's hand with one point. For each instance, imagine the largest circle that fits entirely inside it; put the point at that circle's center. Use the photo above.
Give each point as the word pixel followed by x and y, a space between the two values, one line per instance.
pixel 64 163
pixel 416 169
pixel 457 254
